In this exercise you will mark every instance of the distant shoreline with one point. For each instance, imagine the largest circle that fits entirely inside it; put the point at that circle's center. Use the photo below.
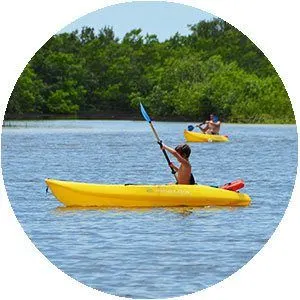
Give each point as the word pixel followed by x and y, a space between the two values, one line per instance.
pixel 119 116
pixel 126 116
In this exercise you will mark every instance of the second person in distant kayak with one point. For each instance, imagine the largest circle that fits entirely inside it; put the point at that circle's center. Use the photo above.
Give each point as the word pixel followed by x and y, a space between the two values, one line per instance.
pixel 182 154
pixel 212 126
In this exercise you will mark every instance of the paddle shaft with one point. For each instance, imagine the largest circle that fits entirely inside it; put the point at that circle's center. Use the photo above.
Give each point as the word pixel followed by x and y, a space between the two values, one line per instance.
pixel 163 150
pixel 191 127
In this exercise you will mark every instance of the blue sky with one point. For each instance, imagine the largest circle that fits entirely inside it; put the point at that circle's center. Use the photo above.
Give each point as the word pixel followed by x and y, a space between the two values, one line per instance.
pixel 161 18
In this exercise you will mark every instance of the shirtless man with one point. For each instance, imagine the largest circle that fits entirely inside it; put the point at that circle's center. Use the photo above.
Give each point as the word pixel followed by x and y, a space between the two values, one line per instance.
pixel 212 126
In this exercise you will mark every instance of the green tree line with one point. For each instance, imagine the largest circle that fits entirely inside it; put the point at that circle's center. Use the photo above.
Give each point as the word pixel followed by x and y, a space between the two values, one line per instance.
pixel 215 68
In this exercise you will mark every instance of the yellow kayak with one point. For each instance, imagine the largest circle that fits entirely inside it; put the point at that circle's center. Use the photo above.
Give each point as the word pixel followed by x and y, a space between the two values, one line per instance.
pixel 77 194
pixel 192 136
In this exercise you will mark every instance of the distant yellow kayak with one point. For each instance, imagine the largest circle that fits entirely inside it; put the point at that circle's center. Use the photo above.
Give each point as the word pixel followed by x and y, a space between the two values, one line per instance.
pixel 77 194
pixel 192 136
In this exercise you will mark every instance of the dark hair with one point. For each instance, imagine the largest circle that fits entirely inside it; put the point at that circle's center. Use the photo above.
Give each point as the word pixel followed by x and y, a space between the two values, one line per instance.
pixel 184 150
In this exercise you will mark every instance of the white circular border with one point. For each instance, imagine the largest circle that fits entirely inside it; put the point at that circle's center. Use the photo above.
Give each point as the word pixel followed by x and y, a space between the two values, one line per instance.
pixel 272 25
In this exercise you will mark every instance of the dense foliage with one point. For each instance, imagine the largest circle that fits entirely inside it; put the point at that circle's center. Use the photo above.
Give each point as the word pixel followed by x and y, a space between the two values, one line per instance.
pixel 213 69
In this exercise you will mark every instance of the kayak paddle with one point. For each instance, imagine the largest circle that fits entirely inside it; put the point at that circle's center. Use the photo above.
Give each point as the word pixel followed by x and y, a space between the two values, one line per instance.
pixel 191 127
pixel 159 141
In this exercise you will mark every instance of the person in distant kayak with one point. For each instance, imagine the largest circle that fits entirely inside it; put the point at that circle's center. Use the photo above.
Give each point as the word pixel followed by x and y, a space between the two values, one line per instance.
pixel 212 126
pixel 184 172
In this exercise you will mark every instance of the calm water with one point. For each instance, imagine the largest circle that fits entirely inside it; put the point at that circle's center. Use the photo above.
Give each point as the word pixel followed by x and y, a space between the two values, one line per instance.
pixel 153 253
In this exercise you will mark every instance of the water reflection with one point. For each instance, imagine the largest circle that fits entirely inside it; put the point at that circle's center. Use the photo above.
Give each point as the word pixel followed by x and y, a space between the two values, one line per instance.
pixel 184 211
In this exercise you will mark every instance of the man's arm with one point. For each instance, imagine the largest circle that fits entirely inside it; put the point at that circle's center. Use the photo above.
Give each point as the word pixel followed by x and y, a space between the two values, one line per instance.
pixel 205 128
pixel 174 167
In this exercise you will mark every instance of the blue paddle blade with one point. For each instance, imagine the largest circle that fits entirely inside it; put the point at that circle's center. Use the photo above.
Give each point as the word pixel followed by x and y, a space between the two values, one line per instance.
pixel 191 128
pixel 144 113
pixel 216 119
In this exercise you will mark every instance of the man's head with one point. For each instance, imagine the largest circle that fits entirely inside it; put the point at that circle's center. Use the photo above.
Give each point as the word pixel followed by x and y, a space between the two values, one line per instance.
pixel 213 118
pixel 184 150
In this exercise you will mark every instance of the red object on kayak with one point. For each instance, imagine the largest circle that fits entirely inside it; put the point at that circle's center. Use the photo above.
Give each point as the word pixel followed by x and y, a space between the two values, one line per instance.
pixel 234 185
